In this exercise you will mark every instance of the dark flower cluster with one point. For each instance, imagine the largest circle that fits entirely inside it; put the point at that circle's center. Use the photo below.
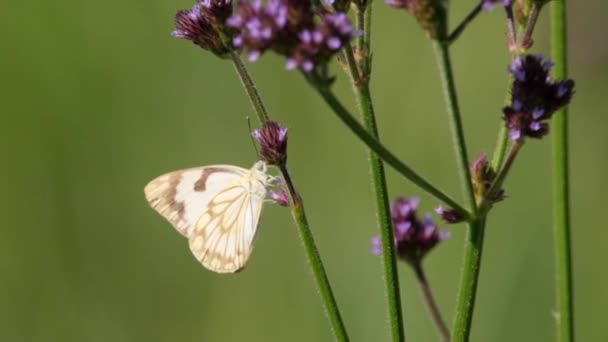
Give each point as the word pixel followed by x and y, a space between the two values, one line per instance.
pixel 488 5
pixel 272 138
pixel 204 25
pixel 290 28
pixel 535 96
pixel 428 13
pixel 414 238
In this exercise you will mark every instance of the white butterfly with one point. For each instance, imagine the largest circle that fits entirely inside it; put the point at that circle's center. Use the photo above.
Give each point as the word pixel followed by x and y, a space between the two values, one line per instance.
pixel 216 207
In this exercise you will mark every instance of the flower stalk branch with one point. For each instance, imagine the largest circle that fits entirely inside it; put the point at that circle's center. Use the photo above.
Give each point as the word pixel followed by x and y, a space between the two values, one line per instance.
pixel 346 117
pixel 298 212
pixel 465 22
pixel 427 294
pixel 391 276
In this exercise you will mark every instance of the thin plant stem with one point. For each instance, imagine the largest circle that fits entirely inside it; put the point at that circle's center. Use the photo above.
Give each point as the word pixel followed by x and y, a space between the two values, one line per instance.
pixel 427 294
pixel 561 182
pixel 346 117
pixel 465 22
pixel 501 176
pixel 299 217
pixel 250 88
pixel 298 213
pixel 511 29
pixel 501 147
pixel 444 64
pixel 391 276
pixel 527 40
pixel 465 304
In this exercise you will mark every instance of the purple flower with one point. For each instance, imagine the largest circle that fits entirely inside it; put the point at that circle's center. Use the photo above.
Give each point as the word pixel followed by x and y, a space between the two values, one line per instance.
pixel 535 96
pixel 260 26
pixel 449 215
pixel 488 5
pixel 290 28
pixel 272 138
pixel 318 44
pixel 201 24
pixel 414 238
pixel 279 196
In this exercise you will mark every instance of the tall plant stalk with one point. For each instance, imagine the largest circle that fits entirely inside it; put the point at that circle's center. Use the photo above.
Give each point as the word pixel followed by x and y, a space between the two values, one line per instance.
pixel 298 213
pixel 561 182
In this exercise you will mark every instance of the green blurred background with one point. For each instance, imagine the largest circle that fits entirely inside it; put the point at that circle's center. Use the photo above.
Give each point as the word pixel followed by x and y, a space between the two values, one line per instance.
pixel 97 99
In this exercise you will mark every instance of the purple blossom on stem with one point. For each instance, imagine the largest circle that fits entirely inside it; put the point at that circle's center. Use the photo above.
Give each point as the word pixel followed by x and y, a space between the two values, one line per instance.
pixel 319 44
pixel 414 238
pixel 535 96
pixel 449 215
pixel 272 138
pixel 290 28
pixel 202 25
pixel 279 196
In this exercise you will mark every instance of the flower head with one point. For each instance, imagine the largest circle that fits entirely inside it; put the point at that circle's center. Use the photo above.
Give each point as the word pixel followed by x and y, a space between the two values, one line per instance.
pixel 279 194
pixel 202 25
pixel 535 96
pixel 272 138
pixel 414 238
pixel 482 176
pixel 449 215
pixel 290 28
pixel 317 45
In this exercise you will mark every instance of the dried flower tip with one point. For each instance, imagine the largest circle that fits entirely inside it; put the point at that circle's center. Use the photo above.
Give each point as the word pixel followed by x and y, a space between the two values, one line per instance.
pixel 414 238
pixel 449 215
pixel 272 138
pixel 200 25
pixel 535 96
pixel 488 5
pixel 430 14
pixel 482 176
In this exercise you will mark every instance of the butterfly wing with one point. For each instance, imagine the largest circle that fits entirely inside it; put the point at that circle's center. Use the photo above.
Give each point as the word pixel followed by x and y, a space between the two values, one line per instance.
pixel 183 196
pixel 223 238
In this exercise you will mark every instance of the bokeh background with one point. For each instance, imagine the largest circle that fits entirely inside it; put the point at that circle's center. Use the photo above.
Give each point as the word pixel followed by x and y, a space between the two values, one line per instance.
pixel 97 98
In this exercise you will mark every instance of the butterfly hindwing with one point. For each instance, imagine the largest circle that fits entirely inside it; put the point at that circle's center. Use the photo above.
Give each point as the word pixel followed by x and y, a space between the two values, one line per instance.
pixel 223 238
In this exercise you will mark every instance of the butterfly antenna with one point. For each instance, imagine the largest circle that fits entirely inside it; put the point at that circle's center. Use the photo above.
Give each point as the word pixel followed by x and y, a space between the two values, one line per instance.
pixel 255 147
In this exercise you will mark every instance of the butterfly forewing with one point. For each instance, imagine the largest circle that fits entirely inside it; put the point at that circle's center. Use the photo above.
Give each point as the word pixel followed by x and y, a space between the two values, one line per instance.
pixel 216 207
pixel 181 196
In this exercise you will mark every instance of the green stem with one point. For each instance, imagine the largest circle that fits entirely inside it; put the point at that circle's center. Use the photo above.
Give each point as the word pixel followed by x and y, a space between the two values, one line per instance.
pixel 299 217
pixel 250 88
pixel 345 116
pixel 298 213
pixel 473 249
pixel 500 177
pixel 444 64
pixel 465 22
pixel 427 294
pixel 561 210
pixel 391 276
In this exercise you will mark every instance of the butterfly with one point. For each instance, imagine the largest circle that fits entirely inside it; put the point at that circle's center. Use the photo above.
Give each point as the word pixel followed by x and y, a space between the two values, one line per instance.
pixel 217 207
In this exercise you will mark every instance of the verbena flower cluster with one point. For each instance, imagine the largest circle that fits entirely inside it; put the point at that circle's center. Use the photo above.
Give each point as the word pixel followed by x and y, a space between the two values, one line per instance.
pixel 535 96
pixel 204 25
pixel 272 138
pixel 414 238
pixel 290 28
